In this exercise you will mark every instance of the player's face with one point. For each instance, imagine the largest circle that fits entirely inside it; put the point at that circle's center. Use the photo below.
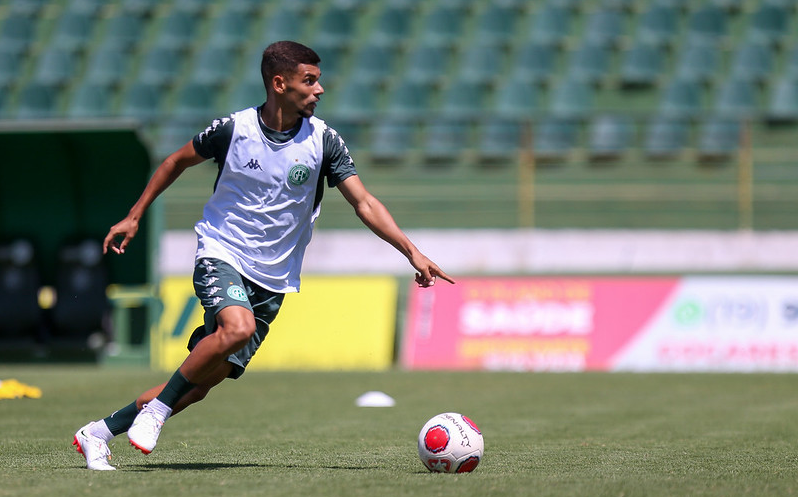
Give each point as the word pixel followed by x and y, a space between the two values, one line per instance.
pixel 303 90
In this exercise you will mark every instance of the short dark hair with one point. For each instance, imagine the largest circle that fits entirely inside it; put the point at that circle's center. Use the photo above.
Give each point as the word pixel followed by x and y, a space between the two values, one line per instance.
pixel 282 57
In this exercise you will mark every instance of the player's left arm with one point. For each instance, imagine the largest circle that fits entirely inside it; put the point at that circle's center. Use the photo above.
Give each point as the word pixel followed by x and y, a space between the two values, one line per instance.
pixel 377 218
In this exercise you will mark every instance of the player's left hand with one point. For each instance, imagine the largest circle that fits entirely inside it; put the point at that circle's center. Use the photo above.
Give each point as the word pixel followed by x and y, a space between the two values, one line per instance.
pixel 428 272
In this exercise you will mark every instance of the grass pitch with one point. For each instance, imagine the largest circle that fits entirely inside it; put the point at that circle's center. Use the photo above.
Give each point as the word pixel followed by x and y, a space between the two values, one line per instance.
pixel 300 434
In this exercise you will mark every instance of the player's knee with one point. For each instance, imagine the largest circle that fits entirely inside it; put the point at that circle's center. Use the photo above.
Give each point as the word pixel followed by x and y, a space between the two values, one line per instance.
pixel 236 334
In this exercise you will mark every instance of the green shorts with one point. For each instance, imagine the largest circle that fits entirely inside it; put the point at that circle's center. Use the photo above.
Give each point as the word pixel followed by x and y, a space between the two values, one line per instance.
pixel 218 285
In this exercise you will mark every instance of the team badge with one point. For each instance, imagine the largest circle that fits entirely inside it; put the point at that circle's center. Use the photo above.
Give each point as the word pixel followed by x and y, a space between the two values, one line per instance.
pixel 298 174
pixel 235 292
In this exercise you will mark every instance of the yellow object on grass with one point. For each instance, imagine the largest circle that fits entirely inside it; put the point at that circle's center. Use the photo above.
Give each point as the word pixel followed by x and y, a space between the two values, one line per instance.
pixel 13 389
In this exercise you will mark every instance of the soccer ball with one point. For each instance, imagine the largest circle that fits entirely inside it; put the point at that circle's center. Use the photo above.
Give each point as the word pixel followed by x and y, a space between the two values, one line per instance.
pixel 450 443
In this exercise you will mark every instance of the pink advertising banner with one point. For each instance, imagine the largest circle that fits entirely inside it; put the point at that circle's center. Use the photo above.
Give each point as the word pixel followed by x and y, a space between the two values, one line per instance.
pixel 700 323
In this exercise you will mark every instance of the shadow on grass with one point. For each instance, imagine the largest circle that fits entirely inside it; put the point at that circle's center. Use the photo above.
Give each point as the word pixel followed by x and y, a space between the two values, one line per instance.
pixel 213 466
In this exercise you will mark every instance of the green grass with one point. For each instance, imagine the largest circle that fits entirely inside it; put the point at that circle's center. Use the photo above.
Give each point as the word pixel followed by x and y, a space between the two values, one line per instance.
pixel 300 434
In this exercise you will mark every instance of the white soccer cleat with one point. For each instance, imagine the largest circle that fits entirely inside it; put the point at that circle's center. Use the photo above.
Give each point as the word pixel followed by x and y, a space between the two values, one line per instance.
pixel 94 449
pixel 144 431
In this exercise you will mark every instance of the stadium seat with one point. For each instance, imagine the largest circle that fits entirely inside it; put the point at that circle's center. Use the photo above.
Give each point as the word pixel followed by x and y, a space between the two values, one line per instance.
pixel 429 63
pixel 442 25
pixel 81 306
pixel 534 62
pixel 56 66
pixel 708 24
pixel 230 28
pixel 108 65
pixel 73 30
pixel 590 63
pixel 37 101
pixel 464 98
pixel 698 62
pixel 177 29
pixel 141 101
pixel 642 66
pixel 551 25
pixel 517 99
pixel 10 67
pixel 554 138
pixel 284 23
pixel 408 98
pixel 444 140
pixel 392 26
pixel 719 139
pixel 17 33
pixel 610 136
pixel 573 98
pixel 658 25
pixel 480 63
pixel 161 65
pixel 337 27
pixel 391 141
pixel 769 24
pixel 604 28
pixel 19 285
pixel 681 99
pixel 374 64
pixel 123 30
pixel 782 107
pixel 737 98
pixel 214 65
pixel 791 62
pixel 496 24
pixel 247 94
pixel 91 100
pixel 196 101
pixel 753 61
pixel 498 140
pixel 666 137
pixel 359 98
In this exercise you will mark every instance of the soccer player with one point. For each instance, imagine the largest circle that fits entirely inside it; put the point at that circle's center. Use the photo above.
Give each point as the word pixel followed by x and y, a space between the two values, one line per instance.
pixel 273 161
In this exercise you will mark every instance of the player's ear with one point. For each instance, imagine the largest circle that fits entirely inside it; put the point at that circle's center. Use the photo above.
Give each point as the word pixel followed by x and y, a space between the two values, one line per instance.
pixel 278 83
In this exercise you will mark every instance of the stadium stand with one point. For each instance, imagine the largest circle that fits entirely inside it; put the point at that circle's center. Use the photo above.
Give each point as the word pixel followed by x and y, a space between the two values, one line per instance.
pixel 654 88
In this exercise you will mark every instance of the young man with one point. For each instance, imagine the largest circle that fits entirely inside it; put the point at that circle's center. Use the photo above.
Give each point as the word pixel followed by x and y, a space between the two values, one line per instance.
pixel 273 161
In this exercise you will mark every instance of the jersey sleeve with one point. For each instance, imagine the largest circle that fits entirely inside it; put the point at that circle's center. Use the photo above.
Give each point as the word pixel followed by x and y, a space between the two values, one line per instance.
pixel 337 162
pixel 214 142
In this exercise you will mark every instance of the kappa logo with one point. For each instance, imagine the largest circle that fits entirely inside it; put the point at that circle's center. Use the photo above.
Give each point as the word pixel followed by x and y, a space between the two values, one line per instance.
pixel 253 164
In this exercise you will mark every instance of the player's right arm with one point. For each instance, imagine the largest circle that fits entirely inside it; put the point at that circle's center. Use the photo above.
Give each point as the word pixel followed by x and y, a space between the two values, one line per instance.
pixel 121 233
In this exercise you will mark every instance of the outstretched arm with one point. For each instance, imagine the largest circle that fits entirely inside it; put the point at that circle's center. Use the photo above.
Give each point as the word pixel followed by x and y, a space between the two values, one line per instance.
pixel 167 172
pixel 379 220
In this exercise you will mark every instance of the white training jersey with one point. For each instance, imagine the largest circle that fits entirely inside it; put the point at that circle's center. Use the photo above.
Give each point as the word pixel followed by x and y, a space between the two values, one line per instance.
pixel 260 216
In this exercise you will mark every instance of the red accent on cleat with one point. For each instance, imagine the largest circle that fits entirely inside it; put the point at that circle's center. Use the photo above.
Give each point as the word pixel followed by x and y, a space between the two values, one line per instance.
pixel 142 449
pixel 79 449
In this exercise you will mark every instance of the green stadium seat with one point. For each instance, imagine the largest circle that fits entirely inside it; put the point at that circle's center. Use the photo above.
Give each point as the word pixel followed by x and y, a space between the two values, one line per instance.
pixel 534 62
pixel 73 30
pixel 782 107
pixel 230 28
pixel 498 140
pixel 666 137
pixel 56 66
pixel 719 139
pixel 442 25
pixel 604 27
pixel 590 63
pixel 496 24
pixel 554 138
pixel 177 29
pixel 573 98
pixel 123 30
pixel 196 101
pixel 391 140
pixel 769 24
pixel 337 27
pixel 429 63
pixel 142 101
pixel 698 62
pixel 642 66
pixel 518 99
pixel 682 98
pixel 791 62
pixel 141 7
pixel 658 25
pixel 358 98
pixel 730 6
pixel 409 98
pixel 374 63
pixel 91 100
pixel 333 63
pixel 284 23
pixel 246 94
pixel 161 65
pixel 707 24
pixel 753 61
pixel 737 98
pixel 17 32
pixel 444 140
pixel 392 26
pixel 610 136
pixel 551 25
pixel 480 62
pixel 214 65
pixel 464 98
pixel 37 101
pixel 10 68
pixel 108 64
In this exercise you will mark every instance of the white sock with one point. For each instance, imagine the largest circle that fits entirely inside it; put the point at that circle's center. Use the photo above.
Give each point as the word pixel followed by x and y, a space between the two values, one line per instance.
pixel 163 410
pixel 100 430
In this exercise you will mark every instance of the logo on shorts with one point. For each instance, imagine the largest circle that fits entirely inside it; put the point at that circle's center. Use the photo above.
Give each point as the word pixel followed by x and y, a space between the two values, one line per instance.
pixel 298 174
pixel 235 292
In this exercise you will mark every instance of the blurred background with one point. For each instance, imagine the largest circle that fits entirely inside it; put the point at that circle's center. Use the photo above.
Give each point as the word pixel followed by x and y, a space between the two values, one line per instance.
pixel 591 131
